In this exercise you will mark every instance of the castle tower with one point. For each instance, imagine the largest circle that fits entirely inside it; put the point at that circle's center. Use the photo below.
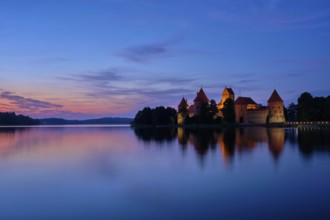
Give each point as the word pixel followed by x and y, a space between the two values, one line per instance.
pixel 182 110
pixel 227 93
pixel 200 99
pixel 275 108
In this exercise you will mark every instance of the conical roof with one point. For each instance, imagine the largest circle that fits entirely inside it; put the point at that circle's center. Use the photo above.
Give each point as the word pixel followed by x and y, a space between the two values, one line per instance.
pixel 183 103
pixel 230 91
pixel 201 96
pixel 275 97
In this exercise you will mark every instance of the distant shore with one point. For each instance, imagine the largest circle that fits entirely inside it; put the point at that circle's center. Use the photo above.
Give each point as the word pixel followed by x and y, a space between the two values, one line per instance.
pixel 11 119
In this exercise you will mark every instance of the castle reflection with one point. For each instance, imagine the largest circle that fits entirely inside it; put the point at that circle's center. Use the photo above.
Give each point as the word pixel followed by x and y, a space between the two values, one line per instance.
pixel 232 140
pixel 240 141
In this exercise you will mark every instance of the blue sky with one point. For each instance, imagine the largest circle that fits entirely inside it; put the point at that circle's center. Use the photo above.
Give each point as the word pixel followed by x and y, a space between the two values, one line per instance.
pixel 95 58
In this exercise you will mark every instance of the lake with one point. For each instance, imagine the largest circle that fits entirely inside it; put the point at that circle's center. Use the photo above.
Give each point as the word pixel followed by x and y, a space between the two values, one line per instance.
pixel 115 172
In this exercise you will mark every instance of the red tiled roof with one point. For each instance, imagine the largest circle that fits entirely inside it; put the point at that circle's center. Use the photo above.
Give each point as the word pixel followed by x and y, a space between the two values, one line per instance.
pixel 275 97
pixel 244 101
pixel 183 103
pixel 201 96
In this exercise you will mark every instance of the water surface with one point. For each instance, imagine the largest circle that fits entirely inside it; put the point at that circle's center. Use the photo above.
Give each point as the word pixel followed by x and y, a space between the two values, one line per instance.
pixel 120 173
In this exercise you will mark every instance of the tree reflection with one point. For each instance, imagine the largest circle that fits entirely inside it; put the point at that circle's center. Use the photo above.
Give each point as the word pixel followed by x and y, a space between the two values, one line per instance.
pixel 159 135
pixel 202 139
pixel 313 140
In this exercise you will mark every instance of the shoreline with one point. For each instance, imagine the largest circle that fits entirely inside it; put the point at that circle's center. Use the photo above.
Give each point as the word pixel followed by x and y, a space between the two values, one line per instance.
pixel 325 124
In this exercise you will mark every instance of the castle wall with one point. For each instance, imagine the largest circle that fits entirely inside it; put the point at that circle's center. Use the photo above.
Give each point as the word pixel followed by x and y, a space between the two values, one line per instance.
pixel 257 116
pixel 240 113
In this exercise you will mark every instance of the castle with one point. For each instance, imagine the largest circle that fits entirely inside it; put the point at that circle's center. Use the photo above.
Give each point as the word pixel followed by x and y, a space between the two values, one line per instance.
pixel 246 110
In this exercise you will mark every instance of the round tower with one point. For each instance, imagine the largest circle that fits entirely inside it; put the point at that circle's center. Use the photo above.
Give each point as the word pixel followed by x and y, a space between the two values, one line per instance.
pixel 275 108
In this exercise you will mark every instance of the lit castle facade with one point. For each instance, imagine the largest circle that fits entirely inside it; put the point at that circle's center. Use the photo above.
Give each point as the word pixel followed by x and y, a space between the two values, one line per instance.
pixel 246 109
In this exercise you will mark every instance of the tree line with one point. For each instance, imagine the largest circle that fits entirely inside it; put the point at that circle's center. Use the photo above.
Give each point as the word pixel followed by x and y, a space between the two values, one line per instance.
pixel 309 108
pixel 156 116
pixel 208 114
pixel 10 118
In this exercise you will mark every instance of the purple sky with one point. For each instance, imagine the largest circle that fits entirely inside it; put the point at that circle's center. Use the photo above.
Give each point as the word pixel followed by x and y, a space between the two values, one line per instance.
pixel 95 58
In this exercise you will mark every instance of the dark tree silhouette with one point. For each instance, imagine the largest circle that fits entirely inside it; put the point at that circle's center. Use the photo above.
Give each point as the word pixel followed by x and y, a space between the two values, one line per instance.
pixel 292 112
pixel 313 108
pixel 143 117
pixel 305 107
pixel 10 118
pixel 157 116
pixel 228 111
pixel 204 116
pixel 213 108
pixel 326 109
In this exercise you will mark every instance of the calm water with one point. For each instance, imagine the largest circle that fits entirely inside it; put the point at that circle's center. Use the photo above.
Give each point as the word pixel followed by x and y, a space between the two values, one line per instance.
pixel 120 173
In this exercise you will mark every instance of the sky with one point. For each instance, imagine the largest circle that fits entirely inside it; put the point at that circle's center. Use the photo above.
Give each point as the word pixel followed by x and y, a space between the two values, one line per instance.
pixel 80 59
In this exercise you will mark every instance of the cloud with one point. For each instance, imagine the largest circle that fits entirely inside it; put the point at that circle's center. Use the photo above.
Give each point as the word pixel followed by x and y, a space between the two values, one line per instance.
pixel 126 89
pixel 60 113
pixel 105 75
pixel 160 50
pixel 148 52
pixel 27 103
pixel 98 78
pixel 39 109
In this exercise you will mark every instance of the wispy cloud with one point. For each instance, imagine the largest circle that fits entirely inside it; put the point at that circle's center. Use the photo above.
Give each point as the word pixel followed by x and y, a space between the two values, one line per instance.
pixel 99 78
pixel 129 89
pixel 27 103
pixel 29 106
pixel 39 109
pixel 163 49
pixel 148 52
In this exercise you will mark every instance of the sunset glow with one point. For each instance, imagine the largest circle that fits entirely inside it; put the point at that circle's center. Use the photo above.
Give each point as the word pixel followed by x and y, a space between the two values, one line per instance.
pixel 82 59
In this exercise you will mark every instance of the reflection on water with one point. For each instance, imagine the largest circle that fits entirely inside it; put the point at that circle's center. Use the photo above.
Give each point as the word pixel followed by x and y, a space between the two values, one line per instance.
pixel 120 173
pixel 25 140
pixel 241 140
pixel 159 135
pixel 312 141
pixel 229 141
